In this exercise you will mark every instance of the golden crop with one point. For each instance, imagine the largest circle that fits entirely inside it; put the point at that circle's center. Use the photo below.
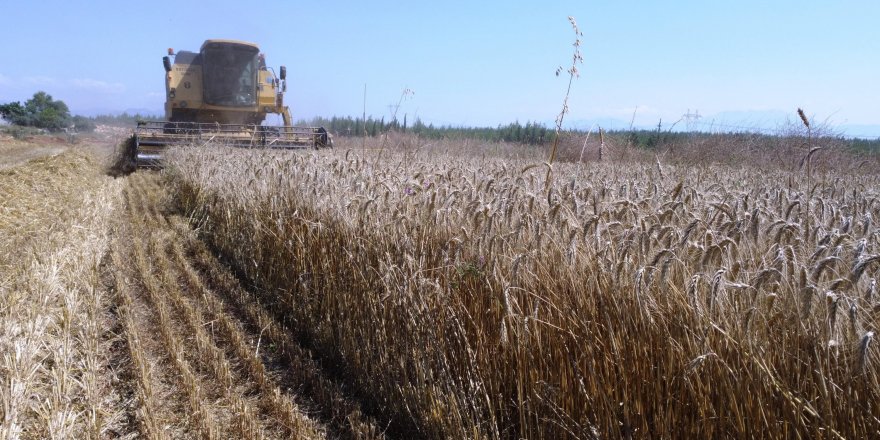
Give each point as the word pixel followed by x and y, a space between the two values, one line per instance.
pixel 635 298
pixel 413 293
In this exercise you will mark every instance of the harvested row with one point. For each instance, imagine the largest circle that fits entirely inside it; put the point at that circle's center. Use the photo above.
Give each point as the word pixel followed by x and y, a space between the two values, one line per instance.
pixel 215 379
pixel 111 330
pixel 466 300
pixel 147 402
pixel 56 379
pixel 342 413
pixel 162 398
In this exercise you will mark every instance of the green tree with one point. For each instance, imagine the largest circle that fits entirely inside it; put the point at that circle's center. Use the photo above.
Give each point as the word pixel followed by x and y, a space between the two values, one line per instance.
pixel 48 113
pixel 40 111
pixel 14 112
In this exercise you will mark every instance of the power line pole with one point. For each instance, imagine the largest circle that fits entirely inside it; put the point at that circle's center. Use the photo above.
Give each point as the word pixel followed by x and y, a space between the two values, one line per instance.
pixel 690 118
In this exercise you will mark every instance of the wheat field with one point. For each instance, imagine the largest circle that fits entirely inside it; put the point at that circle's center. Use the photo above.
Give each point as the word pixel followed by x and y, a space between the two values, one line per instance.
pixel 634 299
pixel 437 291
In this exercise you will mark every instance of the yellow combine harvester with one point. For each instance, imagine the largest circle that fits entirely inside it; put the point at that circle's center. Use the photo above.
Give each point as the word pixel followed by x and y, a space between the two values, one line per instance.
pixel 222 94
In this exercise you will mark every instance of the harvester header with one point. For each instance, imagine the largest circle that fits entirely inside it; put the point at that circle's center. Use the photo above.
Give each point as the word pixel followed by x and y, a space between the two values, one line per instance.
pixel 222 94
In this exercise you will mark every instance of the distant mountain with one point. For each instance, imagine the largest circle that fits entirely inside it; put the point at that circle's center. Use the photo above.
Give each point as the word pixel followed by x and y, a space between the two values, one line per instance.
pixel 773 121
pixel 756 121
pixel 607 124
pixel 761 118
pixel 860 131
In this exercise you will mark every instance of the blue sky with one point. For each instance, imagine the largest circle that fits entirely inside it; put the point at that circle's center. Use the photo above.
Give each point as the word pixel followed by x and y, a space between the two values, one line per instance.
pixel 473 63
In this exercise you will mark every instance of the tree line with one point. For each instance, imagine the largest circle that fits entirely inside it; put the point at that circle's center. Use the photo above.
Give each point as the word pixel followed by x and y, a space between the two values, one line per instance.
pixel 531 133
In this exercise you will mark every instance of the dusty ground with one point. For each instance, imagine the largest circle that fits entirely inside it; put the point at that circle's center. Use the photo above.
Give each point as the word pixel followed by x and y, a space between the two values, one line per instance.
pixel 15 152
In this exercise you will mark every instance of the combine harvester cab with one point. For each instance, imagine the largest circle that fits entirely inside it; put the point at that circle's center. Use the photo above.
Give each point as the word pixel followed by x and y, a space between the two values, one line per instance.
pixel 221 95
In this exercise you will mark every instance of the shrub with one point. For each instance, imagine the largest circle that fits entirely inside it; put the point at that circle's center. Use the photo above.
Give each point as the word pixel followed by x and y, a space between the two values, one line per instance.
pixel 18 132
pixel 83 124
